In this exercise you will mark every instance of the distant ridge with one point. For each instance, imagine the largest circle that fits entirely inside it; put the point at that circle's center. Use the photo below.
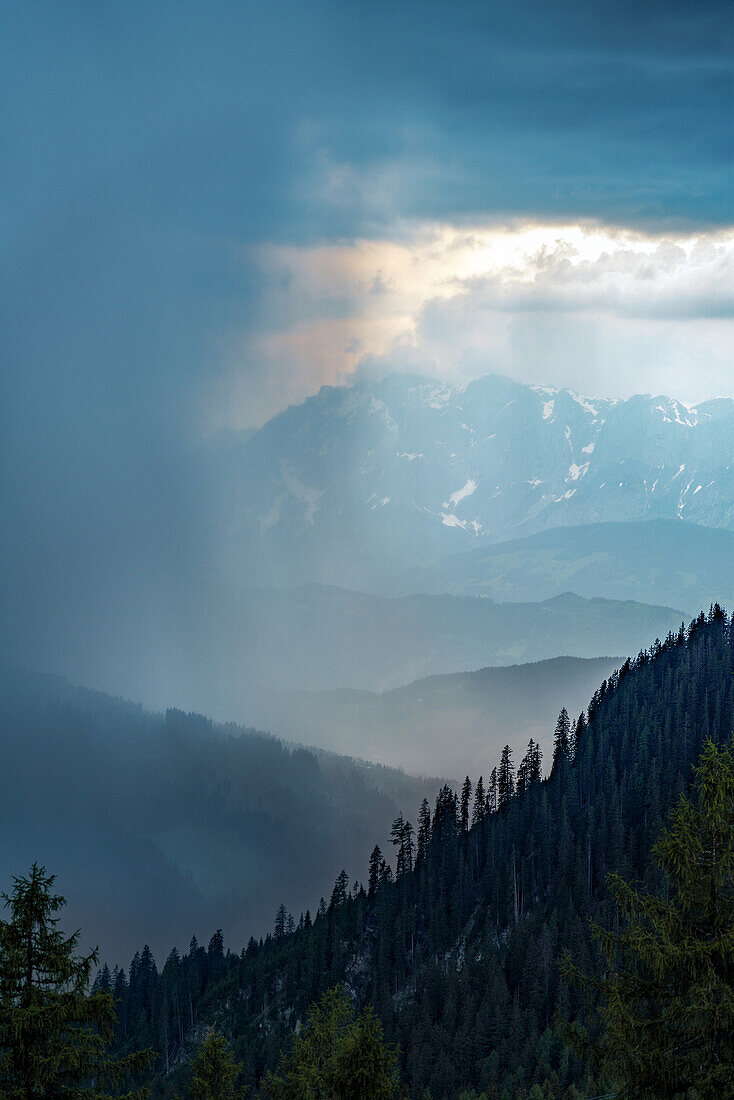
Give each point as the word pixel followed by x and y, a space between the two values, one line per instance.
pixel 369 478
pixel 457 721
pixel 662 561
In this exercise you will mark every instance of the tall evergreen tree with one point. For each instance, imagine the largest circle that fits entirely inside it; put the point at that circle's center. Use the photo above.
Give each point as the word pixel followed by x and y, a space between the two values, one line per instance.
pixel 279 923
pixel 408 846
pixel 341 887
pixel 373 880
pixel 505 778
pixel 54 1034
pixel 535 764
pixel 667 997
pixel 480 809
pixel 339 1055
pixel 424 831
pixel 561 741
pixel 465 804
pixel 492 792
pixel 525 769
pixel 215 1071
pixel 401 835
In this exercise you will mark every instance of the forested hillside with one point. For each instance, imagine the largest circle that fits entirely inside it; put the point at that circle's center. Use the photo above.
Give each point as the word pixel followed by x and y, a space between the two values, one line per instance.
pixel 159 825
pixel 457 946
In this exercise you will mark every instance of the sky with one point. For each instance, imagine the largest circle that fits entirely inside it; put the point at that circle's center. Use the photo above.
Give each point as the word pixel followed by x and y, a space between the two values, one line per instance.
pixel 211 209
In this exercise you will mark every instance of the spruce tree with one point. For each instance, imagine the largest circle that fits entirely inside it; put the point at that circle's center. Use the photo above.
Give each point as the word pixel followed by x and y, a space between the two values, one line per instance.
pixel 54 1034
pixel 424 831
pixel 279 923
pixel 492 792
pixel 480 808
pixel 408 847
pixel 525 769
pixel 339 1055
pixel 562 741
pixel 465 803
pixel 535 773
pixel 667 996
pixel 505 778
pixel 339 893
pixel 401 835
pixel 373 880
pixel 215 1071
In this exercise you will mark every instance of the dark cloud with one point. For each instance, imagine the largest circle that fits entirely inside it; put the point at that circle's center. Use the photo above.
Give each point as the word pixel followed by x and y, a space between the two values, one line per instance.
pixel 143 146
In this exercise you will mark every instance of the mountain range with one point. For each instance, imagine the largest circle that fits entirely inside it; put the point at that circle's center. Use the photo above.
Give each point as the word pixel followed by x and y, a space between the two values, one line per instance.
pixel 237 645
pixel 660 561
pixel 360 481
pixel 458 721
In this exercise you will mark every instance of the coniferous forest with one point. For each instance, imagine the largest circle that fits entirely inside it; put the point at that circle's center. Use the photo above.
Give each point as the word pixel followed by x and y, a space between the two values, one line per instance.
pixel 455 937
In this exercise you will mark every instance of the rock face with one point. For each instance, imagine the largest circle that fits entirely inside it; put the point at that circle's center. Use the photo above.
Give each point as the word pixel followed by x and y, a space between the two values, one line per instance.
pixel 400 472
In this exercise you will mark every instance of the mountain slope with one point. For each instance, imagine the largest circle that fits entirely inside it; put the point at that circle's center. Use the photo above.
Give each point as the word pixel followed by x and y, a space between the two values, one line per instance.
pixel 451 723
pixel 368 478
pixel 460 955
pixel 162 825
pixel 654 561
pixel 323 638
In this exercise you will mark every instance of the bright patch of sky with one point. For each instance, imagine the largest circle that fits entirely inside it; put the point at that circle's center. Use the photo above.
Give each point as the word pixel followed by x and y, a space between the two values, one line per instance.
pixel 550 304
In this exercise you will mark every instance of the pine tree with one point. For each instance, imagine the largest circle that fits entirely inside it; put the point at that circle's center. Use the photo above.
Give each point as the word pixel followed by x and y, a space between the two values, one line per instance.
pixel 535 773
pixel 279 923
pixel 667 999
pixel 505 778
pixel 424 831
pixel 373 880
pixel 338 1055
pixel 407 847
pixel 492 792
pixel 480 809
pixel 401 835
pixel 561 741
pixel 215 1071
pixel 54 1035
pixel 525 769
pixel 465 803
pixel 339 893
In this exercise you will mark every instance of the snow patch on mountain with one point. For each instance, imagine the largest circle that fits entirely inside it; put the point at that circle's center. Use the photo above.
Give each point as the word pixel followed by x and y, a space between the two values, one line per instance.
pixel 382 467
pixel 460 494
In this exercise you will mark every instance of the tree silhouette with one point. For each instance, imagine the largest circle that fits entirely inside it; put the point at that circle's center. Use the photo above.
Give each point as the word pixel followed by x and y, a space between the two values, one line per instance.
pixel 54 1035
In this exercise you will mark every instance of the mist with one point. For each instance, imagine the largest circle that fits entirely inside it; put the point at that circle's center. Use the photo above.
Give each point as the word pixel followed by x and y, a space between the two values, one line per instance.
pixel 291 302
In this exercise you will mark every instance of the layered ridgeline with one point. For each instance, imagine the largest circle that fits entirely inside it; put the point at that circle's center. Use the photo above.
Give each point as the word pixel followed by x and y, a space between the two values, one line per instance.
pixel 457 947
pixel 159 825
pixel 664 561
pixel 451 723
pixel 234 648
pixel 362 480
pixel 321 638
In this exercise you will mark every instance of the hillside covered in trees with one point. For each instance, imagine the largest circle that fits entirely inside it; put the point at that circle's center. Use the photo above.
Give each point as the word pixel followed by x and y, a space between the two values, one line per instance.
pixel 160 825
pixel 455 938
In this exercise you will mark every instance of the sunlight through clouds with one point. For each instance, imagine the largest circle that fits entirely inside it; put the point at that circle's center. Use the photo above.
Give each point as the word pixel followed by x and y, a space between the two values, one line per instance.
pixel 548 303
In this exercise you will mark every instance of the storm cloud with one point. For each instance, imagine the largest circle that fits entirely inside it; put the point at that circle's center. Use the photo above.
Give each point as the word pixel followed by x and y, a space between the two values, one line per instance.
pixel 152 154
